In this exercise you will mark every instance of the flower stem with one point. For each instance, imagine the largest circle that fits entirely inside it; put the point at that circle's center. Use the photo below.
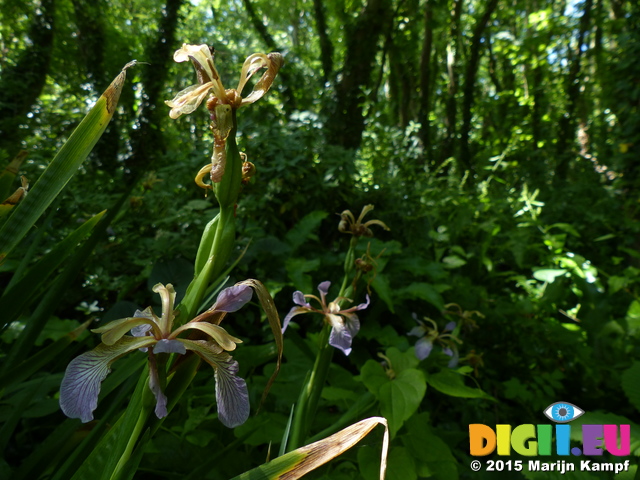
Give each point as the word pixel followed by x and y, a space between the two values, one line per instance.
pixel 310 394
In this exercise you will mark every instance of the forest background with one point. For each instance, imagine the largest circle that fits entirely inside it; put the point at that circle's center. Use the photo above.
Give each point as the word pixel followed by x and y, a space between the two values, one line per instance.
pixel 499 142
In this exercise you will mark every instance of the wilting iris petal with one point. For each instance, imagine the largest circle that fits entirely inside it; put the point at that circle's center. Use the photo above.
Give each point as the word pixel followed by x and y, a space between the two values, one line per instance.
pixel 188 99
pixel 424 347
pixel 263 85
pixel 231 391
pixel 169 346
pixel 81 383
pixel 233 298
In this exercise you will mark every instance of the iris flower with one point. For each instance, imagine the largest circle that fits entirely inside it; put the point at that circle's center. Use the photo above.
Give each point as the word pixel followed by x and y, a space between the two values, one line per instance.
pixel 429 335
pixel 345 324
pixel 223 101
pixel 81 383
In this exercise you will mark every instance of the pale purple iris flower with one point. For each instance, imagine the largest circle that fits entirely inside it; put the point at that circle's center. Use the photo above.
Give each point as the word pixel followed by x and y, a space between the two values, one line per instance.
pixel 430 335
pixel 81 383
pixel 344 323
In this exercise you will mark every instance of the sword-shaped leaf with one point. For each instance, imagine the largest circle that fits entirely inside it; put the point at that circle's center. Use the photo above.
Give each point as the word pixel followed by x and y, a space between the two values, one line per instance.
pixel 63 166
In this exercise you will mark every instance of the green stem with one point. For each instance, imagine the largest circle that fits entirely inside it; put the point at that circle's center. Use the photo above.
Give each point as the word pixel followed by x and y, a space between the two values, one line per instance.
pixel 133 440
pixel 310 394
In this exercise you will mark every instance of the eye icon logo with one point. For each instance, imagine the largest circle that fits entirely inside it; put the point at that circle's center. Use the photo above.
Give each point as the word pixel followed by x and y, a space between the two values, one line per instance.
pixel 563 412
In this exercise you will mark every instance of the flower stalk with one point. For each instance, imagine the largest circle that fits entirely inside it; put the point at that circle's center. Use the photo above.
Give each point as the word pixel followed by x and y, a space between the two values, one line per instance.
pixel 307 404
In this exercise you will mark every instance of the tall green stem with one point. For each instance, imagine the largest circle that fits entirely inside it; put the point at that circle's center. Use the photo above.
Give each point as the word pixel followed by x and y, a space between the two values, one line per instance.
pixel 307 404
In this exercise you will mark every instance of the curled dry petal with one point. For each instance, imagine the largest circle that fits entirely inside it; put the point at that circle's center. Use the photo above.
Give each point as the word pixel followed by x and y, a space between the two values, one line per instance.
pixel 251 65
pixel 188 100
pixel 232 395
pixel 276 60
pixel 202 60
pixel 81 383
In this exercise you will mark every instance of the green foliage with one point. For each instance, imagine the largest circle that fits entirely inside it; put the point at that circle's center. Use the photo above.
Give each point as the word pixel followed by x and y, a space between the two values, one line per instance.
pixel 531 249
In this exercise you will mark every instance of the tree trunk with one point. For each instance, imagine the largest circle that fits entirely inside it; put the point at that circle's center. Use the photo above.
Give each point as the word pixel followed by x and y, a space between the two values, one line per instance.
pixel 22 83
pixel 326 47
pixel 425 80
pixel 452 89
pixel 466 161
pixel 567 122
pixel 346 122
pixel 146 141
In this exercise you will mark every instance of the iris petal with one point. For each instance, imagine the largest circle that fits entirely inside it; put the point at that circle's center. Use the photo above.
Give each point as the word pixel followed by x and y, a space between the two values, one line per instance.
pixel 231 394
pixel 341 334
pixel 233 298
pixel 423 348
pixel 219 334
pixel 231 391
pixel 81 383
pixel 154 386
pixel 114 331
pixel 298 299
pixel 323 288
pixel 169 346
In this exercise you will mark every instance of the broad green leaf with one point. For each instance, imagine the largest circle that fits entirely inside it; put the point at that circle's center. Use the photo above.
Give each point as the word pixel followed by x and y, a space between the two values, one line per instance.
pixel 451 383
pixel 423 291
pixel 304 228
pixel 296 270
pixel 373 376
pixel 401 361
pixel 438 457
pixel 401 464
pixel 382 287
pixel 400 397
pixel 633 317
pixel 62 167
pixel 548 274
